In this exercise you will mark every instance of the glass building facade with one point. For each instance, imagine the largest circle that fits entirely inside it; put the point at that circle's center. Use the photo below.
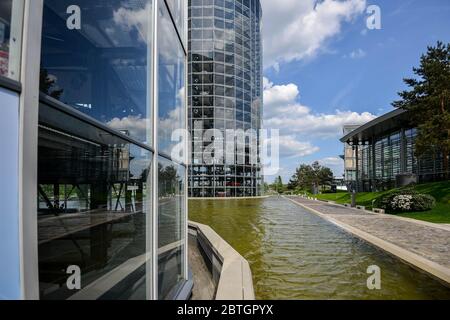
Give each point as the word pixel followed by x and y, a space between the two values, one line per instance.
pixel 110 214
pixel 349 156
pixel 382 155
pixel 224 93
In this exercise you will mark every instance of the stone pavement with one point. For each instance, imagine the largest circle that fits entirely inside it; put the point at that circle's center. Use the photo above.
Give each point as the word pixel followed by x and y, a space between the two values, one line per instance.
pixel 426 240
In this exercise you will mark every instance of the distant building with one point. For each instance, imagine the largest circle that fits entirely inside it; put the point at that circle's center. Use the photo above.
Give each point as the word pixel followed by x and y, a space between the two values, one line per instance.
pixel 339 184
pixel 380 154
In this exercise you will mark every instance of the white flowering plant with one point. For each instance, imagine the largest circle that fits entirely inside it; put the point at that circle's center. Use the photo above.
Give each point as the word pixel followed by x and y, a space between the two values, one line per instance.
pixel 403 202
pixel 407 200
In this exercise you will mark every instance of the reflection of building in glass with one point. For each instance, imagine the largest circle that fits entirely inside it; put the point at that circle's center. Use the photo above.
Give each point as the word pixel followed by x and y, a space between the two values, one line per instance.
pixel 107 197
pixel 225 92
pixel 381 155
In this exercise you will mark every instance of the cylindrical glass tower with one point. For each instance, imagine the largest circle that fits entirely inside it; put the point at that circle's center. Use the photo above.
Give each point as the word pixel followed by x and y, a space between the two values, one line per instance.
pixel 225 93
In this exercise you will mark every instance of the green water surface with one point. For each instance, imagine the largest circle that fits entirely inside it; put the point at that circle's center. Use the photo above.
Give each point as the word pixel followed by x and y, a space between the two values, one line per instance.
pixel 294 254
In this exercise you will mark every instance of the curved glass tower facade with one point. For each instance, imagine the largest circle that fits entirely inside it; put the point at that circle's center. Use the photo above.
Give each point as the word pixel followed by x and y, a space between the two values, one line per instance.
pixel 225 93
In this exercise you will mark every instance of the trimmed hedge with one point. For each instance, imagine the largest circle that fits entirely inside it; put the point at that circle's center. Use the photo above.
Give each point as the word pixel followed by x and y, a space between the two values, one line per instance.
pixel 407 200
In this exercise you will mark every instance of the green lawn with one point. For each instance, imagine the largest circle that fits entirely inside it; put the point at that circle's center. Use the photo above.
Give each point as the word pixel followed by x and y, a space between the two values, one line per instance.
pixel 439 190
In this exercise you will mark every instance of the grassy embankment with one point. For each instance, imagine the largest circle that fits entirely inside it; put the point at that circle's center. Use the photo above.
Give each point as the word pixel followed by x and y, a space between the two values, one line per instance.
pixel 439 190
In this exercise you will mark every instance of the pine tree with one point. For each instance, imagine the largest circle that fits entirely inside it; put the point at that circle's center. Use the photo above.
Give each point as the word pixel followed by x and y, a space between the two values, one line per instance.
pixel 428 102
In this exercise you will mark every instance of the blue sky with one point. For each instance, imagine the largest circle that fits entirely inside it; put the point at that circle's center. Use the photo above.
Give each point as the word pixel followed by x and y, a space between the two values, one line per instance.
pixel 324 68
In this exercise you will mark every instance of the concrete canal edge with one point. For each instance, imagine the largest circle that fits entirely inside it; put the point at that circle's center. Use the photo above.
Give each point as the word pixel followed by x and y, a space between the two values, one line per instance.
pixel 235 276
pixel 437 271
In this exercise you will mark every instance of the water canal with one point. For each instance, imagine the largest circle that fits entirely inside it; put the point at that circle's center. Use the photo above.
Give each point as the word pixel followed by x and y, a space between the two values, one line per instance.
pixel 294 254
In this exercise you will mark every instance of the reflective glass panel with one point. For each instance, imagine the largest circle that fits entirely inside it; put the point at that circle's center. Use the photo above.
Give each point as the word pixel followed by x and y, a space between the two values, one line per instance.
pixel 93 211
pixel 178 10
pixel 171 82
pixel 171 225
pixel 96 57
pixel 171 202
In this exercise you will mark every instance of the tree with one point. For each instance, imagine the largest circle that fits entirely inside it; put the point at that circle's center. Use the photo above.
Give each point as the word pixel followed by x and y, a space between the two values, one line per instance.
pixel 321 176
pixel 292 185
pixel 311 177
pixel 265 187
pixel 305 176
pixel 301 178
pixel 278 184
pixel 325 176
pixel 428 102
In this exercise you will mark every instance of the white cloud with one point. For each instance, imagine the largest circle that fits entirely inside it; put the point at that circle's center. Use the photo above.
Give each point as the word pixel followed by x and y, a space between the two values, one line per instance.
pixel 294 30
pixel 170 122
pixel 135 125
pixel 318 125
pixel 284 112
pixel 332 161
pixel 357 54
pixel 282 99
pixel 299 126
pixel 129 19
pixel 291 147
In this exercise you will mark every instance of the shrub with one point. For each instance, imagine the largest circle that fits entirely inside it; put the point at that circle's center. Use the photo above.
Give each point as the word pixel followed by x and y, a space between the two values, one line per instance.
pixel 407 200
pixel 424 202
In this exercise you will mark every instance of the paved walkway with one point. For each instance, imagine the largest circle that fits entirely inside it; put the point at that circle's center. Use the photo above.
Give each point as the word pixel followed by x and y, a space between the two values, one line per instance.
pixel 424 245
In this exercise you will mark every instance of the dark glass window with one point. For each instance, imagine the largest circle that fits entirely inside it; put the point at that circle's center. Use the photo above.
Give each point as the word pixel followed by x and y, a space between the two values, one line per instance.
pixel 97 60
pixel 196 23
pixel 207 12
pixel 196 34
pixel 207 23
pixel 93 210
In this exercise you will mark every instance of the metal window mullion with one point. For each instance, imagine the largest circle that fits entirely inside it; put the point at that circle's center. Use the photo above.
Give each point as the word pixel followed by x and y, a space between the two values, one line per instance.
pixel 187 143
pixel 155 199
pixel 150 140
pixel 28 148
